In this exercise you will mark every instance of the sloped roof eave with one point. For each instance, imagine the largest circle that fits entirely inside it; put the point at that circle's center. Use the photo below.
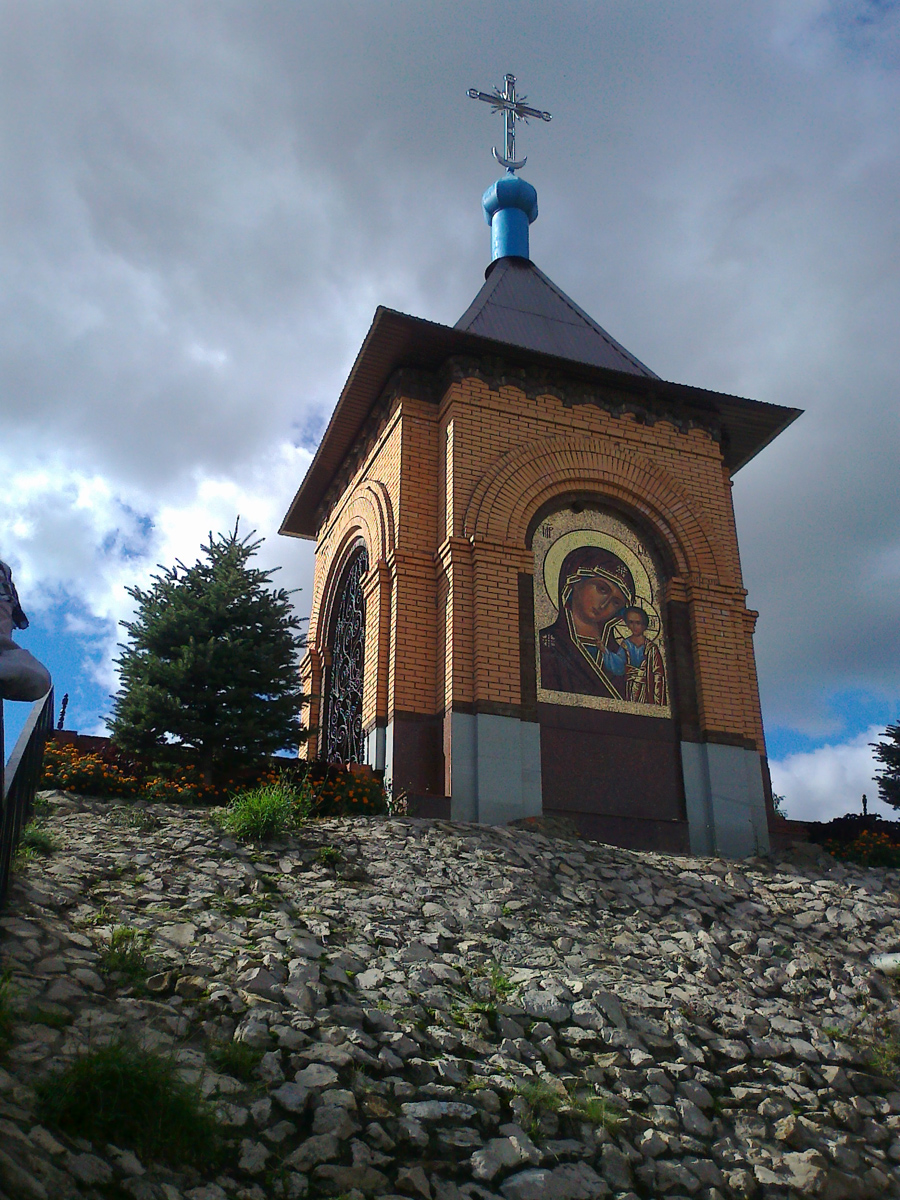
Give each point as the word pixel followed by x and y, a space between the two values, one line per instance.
pixel 396 340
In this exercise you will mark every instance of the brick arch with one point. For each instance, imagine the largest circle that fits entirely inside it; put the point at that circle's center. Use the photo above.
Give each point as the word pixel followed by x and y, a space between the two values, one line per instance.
pixel 368 517
pixel 371 513
pixel 525 480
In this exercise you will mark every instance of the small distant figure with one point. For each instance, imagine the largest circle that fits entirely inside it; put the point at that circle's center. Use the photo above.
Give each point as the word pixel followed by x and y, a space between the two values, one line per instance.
pixel 865 805
pixel 22 677
pixel 60 724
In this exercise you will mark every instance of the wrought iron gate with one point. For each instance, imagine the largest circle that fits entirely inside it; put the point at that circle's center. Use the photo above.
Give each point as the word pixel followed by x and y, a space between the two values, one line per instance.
pixel 344 693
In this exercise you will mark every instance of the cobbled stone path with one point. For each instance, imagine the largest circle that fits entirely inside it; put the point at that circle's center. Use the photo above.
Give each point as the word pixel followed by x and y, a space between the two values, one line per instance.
pixel 447 1011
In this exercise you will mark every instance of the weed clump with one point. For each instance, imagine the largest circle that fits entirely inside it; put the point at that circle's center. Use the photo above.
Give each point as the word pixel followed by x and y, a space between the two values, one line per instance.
pixel 126 954
pixel 134 1098
pixel 269 811
pixel 596 1111
pixel 884 1056
pixel 500 982
pixel 34 842
pixel 237 1059
pixel 543 1098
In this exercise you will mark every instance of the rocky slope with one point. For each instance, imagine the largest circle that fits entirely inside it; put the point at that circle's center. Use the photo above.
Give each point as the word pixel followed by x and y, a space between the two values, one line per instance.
pixel 445 1011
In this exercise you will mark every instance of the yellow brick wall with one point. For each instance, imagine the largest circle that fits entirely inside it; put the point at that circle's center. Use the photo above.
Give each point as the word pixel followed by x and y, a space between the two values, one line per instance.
pixel 457 484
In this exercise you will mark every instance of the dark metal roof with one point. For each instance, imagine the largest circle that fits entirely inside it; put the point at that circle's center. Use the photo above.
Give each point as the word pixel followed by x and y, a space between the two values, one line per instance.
pixel 520 305
pixel 396 340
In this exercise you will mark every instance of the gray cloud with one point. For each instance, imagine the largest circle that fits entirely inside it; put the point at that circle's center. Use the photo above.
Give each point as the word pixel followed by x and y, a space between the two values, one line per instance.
pixel 203 203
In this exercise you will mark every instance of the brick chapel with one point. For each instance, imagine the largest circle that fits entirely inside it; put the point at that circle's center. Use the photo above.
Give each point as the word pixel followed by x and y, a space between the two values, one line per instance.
pixel 527 596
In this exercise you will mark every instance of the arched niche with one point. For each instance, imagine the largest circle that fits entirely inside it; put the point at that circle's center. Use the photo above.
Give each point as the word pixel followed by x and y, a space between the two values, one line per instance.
pixel 342 736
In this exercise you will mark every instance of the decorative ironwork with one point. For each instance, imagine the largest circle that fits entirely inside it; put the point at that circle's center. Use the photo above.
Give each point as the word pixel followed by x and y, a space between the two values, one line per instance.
pixel 343 719
pixel 513 109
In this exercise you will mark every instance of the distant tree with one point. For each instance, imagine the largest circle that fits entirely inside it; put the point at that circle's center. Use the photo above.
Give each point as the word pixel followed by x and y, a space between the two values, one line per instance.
pixel 888 754
pixel 778 805
pixel 211 664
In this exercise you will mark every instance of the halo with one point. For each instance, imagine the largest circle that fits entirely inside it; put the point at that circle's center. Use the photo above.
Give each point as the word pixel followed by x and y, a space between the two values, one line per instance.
pixel 553 562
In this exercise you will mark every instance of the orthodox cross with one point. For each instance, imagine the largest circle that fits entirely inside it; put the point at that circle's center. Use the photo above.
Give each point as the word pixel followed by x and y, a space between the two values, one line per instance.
pixel 513 109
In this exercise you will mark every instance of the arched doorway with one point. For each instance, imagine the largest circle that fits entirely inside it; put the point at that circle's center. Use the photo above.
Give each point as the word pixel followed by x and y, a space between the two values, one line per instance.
pixel 343 740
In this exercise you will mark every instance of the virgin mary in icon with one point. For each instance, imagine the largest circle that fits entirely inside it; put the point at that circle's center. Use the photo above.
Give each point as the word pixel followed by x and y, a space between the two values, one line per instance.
pixel 606 638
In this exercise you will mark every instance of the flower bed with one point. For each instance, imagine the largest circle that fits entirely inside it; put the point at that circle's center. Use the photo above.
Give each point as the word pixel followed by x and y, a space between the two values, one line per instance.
pixel 867 840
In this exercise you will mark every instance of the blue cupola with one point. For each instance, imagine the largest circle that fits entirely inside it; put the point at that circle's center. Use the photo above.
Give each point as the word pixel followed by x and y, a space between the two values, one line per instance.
pixel 510 205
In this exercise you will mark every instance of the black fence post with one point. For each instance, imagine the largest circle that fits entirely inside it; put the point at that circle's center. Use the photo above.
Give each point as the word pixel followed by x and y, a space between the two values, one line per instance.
pixel 20 778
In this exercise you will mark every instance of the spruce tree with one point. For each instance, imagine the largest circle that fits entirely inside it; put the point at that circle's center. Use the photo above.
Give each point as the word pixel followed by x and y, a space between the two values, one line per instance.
pixel 210 671
pixel 888 754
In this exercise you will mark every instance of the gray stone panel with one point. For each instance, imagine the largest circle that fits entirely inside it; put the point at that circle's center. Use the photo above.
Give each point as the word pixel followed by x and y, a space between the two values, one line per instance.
pixel 495 768
pixel 725 800
pixel 463 773
pixel 698 801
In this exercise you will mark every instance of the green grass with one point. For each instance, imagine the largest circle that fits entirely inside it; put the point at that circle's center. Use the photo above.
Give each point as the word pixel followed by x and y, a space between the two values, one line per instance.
pixel 885 1058
pixel 500 982
pixel 35 837
pixel 328 855
pixel 265 812
pixel 596 1111
pixel 133 1098
pixel 236 1059
pixel 469 1014
pixel 484 1008
pixel 41 807
pixel 836 1035
pixel 103 915
pixel 882 1052
pixel 541 1096
pixel 126 954
pixel 34 842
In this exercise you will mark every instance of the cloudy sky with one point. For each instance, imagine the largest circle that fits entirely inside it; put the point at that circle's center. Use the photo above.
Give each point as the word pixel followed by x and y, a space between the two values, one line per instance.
pixel 203 203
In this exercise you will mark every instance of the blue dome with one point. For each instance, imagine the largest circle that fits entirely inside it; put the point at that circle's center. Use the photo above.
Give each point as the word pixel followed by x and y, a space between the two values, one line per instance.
pixel 510 205
pixel 510 192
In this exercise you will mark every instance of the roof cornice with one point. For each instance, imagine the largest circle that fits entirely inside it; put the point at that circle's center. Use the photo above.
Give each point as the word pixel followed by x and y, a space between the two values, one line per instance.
pixel 396 340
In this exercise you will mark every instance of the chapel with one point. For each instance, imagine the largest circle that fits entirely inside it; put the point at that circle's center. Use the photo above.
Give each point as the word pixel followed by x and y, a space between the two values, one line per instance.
pixel 527 597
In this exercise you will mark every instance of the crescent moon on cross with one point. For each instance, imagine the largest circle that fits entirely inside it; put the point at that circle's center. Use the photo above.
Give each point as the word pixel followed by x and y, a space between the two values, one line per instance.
pixel 511 164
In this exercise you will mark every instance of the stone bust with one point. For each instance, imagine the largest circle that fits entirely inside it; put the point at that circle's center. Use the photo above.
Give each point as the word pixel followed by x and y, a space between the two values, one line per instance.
pixel 22 677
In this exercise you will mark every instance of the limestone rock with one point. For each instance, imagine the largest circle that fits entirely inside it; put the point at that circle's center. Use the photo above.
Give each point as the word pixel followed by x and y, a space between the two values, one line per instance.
pixel 662 1026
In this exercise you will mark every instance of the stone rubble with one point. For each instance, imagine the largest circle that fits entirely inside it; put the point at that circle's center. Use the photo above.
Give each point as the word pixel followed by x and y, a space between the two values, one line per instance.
pixel 455 1012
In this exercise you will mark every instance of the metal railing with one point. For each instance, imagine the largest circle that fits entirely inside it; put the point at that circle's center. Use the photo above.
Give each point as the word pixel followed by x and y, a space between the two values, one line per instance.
pixel 20 777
